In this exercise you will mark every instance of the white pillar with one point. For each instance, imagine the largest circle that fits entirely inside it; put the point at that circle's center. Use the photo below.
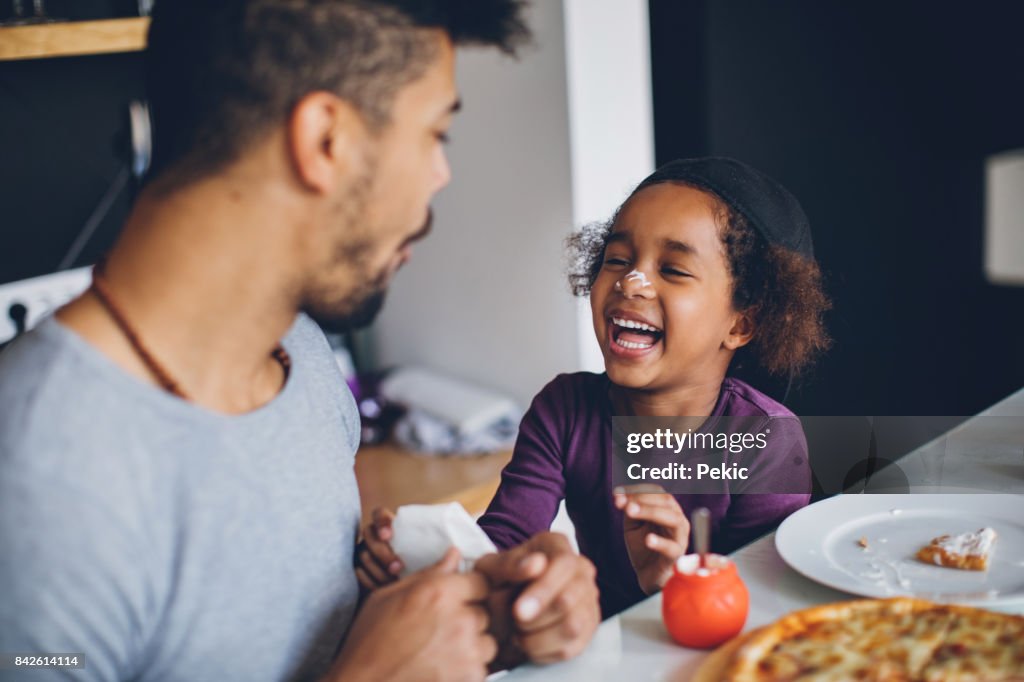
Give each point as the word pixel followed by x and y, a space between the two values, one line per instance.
pixel 611 124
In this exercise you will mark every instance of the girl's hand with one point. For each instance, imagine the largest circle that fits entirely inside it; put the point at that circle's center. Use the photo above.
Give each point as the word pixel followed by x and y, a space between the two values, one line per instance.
pixel 376 564
pixel 656 530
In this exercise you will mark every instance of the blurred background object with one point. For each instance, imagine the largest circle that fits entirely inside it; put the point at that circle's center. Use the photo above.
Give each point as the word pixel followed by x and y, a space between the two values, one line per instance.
pixel 1004 218
pixel 449 416
pixel 24 12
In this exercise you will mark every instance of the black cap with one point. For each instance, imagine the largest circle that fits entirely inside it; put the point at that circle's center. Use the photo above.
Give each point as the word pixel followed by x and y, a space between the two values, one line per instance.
pixel 768 206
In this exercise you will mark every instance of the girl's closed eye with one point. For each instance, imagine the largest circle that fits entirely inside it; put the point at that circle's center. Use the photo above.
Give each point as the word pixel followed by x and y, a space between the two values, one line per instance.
pixel 613 262
pixel 672 271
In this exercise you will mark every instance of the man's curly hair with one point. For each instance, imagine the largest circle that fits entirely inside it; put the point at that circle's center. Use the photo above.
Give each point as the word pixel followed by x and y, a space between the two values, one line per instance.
pixel 221 74
pixel 780 289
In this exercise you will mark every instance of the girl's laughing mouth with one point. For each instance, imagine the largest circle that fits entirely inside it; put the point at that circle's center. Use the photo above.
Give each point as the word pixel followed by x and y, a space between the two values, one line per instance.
pixel 629 336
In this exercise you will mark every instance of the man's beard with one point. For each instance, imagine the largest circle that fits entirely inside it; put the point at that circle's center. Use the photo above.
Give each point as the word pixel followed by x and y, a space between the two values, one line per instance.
pixel 359 308
pixel 340 312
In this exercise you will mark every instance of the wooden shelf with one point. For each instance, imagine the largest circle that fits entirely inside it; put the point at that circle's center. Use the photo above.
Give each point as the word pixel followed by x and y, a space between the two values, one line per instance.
pixel 73 38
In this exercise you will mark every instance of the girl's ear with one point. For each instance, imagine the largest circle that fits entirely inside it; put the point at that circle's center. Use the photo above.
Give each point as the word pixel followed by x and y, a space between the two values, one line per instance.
pixel 741 332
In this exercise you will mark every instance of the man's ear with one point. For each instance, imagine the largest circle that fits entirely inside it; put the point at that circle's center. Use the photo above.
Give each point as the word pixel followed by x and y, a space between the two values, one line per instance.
pixel 323 134
pixel 741 332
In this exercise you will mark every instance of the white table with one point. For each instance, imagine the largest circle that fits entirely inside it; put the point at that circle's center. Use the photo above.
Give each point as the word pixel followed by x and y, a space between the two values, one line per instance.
pixel 981 453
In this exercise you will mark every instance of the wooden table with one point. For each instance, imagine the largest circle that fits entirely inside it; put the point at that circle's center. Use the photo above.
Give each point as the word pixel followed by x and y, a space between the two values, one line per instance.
pixel 390 476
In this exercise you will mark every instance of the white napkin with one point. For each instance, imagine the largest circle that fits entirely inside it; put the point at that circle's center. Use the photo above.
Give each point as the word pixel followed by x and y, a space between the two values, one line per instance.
pixel 424 532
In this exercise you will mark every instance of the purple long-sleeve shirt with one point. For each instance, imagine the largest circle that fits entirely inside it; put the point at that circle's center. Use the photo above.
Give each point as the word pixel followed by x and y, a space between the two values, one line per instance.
pixel 564 451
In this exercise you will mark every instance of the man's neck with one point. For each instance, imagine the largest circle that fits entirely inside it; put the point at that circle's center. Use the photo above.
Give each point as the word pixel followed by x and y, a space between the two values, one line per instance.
pixel 201 275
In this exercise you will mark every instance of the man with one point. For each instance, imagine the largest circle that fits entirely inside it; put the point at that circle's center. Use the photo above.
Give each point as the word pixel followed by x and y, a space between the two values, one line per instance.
pixel 177 498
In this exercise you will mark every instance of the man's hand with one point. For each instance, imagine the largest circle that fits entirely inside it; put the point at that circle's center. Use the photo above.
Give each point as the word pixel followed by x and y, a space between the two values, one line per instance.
pixel 376 563
pixel 429 626
pixel 556 611
pixel 657 533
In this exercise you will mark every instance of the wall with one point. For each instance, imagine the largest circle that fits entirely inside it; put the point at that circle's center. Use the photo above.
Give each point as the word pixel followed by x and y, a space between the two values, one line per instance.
pixel 60 123
pixel 878 116
pixel 483 297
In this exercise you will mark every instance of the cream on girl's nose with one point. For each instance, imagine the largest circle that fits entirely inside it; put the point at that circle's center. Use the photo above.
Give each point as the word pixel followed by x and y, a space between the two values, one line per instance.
pixel 635 283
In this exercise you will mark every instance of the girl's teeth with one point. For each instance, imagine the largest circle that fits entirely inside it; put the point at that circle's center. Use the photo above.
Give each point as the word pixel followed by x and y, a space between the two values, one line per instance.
pixel 634 346
pixel 631 324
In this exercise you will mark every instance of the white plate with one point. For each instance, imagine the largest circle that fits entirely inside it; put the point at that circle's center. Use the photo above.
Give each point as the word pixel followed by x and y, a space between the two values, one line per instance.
pixel 821 542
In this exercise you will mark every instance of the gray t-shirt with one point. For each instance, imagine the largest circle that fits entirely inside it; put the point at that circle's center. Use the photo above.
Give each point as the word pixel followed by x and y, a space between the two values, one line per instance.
pixel 167 542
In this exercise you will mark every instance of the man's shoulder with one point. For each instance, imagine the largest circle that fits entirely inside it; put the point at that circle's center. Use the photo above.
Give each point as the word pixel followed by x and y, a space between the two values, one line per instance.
pixel 44 381
pixel 63 447
pixel 306 336
pixel 307 343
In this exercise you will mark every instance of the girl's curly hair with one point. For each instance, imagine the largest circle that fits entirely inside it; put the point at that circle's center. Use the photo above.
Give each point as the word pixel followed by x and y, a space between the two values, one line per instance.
pixel 781 289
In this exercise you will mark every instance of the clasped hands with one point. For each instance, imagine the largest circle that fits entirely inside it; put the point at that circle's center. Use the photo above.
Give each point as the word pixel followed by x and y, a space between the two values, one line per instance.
pixel 536 602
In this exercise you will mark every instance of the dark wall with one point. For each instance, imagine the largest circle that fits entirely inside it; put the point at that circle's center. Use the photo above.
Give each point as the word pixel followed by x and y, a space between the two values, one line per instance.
pixel 878 116
pixel 63 125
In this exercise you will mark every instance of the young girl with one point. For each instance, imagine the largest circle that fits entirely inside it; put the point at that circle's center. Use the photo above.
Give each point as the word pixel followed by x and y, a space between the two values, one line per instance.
pixel 706 259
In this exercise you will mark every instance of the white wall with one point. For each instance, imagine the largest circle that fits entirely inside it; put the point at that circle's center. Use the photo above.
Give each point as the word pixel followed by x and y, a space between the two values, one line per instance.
pixel 485 297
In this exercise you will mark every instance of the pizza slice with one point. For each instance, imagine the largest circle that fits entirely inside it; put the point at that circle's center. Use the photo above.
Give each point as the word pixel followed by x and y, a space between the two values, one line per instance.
pixel 981 646
pixel 966 551
pixel 901 639
pixel 861 640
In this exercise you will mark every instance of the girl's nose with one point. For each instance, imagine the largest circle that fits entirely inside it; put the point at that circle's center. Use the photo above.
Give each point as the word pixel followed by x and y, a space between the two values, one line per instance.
pixel 635 284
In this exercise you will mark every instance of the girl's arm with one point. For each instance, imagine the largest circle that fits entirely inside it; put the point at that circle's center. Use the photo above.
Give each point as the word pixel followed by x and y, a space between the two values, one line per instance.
pixel 532 486
pixel 533 483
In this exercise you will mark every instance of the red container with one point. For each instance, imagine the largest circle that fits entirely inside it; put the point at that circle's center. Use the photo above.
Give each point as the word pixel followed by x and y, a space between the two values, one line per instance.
pixel 703 607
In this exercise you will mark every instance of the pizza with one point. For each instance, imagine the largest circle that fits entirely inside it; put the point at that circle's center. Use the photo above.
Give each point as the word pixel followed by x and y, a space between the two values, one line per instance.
pixel 901 639
pixel 967 551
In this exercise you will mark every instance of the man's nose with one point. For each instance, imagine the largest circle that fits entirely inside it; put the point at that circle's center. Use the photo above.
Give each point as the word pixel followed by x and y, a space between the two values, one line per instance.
pixel 442 170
